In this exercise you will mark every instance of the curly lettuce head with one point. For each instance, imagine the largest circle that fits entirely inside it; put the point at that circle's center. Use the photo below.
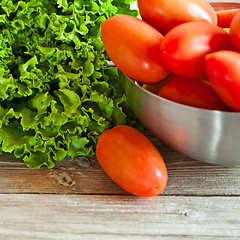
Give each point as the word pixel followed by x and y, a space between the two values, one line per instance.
pixel 57 94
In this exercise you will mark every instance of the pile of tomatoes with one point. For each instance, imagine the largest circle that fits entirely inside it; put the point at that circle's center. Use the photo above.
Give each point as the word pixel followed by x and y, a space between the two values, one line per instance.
pixel 181 41
pixel 180 44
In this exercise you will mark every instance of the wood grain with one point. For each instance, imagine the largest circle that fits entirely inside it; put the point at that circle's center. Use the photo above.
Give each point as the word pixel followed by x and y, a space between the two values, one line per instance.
pixel 77 200
pixel 85 176
pixel 118 217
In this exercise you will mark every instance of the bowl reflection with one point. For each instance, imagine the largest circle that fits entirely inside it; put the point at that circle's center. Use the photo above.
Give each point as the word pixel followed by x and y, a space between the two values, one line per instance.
pixel 205 135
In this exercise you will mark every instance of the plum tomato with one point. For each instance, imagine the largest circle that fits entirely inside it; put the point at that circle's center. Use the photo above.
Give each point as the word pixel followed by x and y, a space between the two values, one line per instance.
pixel 166 14
pixel 224 75
pixel 132 161
pixel 195 92
pixel 235 31
pixel 132 45
pixel 184 47
pixel 155 88
pixel 225 17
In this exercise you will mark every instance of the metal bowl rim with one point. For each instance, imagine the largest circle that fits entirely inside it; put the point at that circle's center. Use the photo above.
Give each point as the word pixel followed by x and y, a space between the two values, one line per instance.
pixel 179 105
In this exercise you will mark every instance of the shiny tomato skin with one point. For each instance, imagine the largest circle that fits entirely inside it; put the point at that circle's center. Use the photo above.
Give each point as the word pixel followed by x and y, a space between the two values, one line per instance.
pixel 224 75
pixel 132 45
pixel 225 17
pixel 132 161
pixel 165 14
pixel 195 92
pixel 235 31
pixel 184 47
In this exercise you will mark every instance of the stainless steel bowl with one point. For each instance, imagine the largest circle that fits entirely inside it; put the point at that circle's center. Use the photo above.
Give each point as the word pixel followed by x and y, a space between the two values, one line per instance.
pixel 205 135
pixel 225 5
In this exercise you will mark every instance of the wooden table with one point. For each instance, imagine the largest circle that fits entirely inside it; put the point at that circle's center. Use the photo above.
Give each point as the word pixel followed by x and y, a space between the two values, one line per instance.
pixel 77 200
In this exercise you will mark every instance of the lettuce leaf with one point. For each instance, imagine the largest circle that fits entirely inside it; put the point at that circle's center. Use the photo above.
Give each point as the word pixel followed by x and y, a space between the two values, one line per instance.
pixel 57 93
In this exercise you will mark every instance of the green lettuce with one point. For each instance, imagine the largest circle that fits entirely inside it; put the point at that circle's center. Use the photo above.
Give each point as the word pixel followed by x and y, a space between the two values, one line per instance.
pixel 57 93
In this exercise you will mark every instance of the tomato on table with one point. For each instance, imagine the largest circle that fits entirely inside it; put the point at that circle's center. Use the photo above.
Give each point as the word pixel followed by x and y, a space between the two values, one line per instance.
pixel 132 161
pixel 235 31
pixel 224 75
pixel 195 92
pixel 184 47
pixel 165 14
pixel 133 45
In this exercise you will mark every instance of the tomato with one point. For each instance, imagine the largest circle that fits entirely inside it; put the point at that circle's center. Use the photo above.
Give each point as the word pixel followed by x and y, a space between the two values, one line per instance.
pixel 224 75
pixel 183 48
pixel 133 45
pixel 166 14
pixel 132 161
pixel 225 17
pixel 155 88
pixel 235 31
pixel 194 92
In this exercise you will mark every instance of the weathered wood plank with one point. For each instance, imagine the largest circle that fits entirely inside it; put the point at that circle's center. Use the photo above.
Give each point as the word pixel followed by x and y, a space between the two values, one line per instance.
pixel 81 175
pixel 85 176
pixel 59 217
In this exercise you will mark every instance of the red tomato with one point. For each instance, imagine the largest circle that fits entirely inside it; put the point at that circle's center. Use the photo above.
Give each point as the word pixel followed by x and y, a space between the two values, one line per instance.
pixel 224 75
pixel 194 92
pixel 183 48
pixel 132 161
pixel 133 45
pixel 235 31
pixel 225 17
pixel 166 14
